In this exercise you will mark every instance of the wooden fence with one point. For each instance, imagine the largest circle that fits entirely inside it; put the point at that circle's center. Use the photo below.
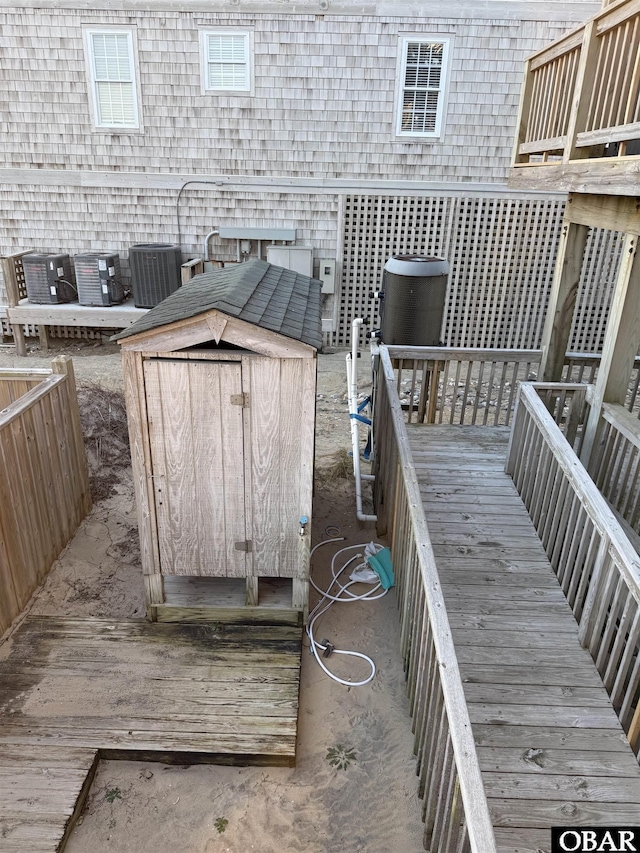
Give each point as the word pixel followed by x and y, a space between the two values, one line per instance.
pixel 455 808
pixel 44 489
pixel 596 565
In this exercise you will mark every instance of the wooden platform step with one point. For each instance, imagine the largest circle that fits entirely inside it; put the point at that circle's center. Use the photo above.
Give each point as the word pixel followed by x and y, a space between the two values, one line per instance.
pixel 171 691
pixel 75 690
pixel 42 794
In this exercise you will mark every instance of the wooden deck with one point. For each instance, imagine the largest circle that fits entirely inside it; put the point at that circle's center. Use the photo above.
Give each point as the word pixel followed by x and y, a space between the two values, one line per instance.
pixel 551 748
pixel 74 314
pixel 75 690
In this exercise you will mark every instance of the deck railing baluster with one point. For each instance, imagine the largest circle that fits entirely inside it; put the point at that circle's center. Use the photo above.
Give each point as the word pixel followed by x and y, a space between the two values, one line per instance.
pixel 552 509
pixel 630 702
pixel 623 671
pixel 620 641
pixel 561 561
pixel 628 482
pixel 586 552
pixel 417 649
pixel 423 685
pixel 444 800
pixel 550 530
pixel 434 766
pixel 612 623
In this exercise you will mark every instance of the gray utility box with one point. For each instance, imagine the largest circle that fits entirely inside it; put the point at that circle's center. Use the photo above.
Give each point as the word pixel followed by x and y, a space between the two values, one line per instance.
pixel 414 288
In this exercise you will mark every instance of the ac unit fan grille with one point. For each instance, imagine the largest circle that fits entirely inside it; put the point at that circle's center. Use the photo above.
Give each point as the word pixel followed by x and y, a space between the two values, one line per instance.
pixel 99 279
pixel 155 272
pixel 48 278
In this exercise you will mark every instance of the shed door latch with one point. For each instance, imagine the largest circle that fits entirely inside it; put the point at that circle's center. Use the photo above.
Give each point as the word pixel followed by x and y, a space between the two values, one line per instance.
pixel 247 546
pixel 240 400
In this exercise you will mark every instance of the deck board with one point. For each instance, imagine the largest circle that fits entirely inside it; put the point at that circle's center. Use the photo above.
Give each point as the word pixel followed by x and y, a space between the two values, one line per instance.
pixel 551 748
pixel 73 690
pixel 42 794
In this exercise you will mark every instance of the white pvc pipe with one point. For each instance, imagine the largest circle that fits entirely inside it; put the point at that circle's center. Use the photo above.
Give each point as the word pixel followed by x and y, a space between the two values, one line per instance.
pixel 352 393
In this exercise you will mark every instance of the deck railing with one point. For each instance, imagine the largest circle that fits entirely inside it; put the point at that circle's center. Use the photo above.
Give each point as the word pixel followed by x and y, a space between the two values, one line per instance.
pixel 461 385
pixel 568 404
pixel 455 808
pixel 582 92
pixel 616 463
pixel 479 386
pixel 44 488
pixel 596 565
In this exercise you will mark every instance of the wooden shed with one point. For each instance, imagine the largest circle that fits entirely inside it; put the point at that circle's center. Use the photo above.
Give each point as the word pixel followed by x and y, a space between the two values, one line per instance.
pixel 220 383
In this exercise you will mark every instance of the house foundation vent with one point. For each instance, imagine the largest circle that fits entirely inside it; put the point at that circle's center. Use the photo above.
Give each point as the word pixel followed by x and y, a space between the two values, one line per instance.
pixel 413 294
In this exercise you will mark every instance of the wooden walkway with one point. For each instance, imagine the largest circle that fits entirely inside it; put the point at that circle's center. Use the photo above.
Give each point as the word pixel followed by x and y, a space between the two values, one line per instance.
pixel 72 691
pixel 551 748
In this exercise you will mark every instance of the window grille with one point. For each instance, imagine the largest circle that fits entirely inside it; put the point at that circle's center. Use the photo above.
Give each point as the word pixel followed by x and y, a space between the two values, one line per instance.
pixel 227 62
pixel 422 87
pixel 112 68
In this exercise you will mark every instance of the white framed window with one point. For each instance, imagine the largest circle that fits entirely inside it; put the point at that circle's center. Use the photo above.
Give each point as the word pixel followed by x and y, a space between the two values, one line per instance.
pixel 226 61
pixel 422 85
pixel 112 77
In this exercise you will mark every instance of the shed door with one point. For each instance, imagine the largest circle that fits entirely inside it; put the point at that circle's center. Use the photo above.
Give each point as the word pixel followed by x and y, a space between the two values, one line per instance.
pixel 198 467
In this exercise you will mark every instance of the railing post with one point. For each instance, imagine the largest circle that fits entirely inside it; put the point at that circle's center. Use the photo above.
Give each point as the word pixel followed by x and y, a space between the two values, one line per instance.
pixel 515 435
pixel 562 299
pixel 585 78
pixel 433 393
pixel 13 297
pixel 575 415
pixel 620 347
pixel 524 114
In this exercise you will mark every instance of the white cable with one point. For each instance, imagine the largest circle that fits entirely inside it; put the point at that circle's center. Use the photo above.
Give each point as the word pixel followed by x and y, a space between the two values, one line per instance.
pixel 345 595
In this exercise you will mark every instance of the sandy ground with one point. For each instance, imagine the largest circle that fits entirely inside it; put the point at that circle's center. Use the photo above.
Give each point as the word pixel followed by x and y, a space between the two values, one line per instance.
pixel 369 807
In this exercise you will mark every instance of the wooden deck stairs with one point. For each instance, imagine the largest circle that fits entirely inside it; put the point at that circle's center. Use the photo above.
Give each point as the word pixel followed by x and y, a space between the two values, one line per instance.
pixel 75 690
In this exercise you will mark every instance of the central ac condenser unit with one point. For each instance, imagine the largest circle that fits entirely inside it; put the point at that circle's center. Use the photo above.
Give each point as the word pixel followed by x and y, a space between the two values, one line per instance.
pixel 48 278
pixel 99 280
pixel 155 272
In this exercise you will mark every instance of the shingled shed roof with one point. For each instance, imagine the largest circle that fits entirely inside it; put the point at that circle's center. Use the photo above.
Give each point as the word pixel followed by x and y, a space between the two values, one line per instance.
pixel 257 292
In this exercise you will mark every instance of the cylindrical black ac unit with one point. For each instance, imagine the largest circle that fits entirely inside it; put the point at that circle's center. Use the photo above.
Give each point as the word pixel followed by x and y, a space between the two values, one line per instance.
pixel 155 272
pixel 414 288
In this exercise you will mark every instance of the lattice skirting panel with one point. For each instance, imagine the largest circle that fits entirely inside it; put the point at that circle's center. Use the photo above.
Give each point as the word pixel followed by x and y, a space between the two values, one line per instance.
pixel 78 332
pixel 602 261
pixel 502 254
